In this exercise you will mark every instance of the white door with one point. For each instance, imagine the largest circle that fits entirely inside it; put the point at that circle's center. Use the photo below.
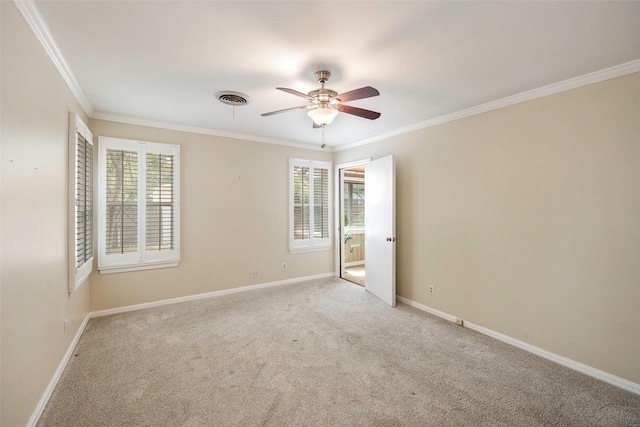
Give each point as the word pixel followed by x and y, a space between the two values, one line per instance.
pixel 380 229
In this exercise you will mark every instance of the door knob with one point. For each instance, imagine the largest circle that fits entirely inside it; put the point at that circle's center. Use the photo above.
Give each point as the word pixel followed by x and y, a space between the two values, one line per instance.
pixel 388 239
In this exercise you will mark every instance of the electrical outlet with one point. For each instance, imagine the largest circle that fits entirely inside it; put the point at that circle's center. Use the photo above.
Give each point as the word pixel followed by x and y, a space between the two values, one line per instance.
pixel 284 266
pixel 254 274
pixel 432 290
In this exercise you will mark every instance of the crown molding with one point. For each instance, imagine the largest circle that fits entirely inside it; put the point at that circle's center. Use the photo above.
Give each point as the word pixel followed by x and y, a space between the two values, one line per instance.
pixel 30 13
pixel 563 86
pixel 33 18
pixel 203 131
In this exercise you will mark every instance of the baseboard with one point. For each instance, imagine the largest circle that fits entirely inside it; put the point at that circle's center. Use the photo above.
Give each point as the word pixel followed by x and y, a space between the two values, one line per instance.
pixel 353 264
pixel 564 361
pixel 422 307
pixel 110 311
pixel 37 413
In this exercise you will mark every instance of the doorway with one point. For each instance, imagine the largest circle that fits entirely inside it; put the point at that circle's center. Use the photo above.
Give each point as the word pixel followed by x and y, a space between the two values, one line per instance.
pixel 379 272
pixel 352 227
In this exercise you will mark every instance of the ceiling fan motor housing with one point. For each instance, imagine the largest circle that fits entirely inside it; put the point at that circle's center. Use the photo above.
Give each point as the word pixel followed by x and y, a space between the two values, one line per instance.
pixel 322 76
pixel 322 96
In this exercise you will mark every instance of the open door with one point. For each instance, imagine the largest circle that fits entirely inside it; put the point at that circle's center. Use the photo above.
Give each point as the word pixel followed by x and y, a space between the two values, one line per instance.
pixel 380 230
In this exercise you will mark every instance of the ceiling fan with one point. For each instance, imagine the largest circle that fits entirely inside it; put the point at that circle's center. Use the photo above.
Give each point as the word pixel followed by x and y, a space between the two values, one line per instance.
pixel 325 104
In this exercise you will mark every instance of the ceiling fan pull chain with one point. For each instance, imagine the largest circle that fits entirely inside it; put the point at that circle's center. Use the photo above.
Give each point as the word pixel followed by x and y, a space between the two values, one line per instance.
pixel 323 144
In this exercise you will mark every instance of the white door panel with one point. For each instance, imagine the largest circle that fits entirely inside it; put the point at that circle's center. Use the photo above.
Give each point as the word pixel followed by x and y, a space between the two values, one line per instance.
pixel 380 229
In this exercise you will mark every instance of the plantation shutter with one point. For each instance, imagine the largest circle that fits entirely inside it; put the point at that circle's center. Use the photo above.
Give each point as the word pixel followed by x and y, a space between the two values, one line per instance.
pixel 139 205
pixel 122 202
pixel 160 202
pixel 321 203
pixel 310 205
pixel 301 212
pixel 80 202
pixel 84 201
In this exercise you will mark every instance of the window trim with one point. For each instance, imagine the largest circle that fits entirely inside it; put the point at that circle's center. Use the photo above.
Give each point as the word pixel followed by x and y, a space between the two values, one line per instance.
pixel 77 275
pixel 312 244
pixel 141 259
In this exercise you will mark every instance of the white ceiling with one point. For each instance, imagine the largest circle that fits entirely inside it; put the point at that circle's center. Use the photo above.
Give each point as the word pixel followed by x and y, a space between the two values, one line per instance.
pixel 162 62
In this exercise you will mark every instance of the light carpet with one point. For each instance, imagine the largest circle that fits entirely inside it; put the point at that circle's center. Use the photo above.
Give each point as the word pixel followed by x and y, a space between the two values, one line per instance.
pixel 317 353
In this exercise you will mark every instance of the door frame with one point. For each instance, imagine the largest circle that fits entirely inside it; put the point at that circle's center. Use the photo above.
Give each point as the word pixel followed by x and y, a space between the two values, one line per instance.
pixel 339 208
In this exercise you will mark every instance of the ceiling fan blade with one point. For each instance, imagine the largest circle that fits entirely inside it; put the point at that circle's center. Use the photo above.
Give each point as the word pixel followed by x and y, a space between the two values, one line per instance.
pixel 363 92
pixel 284 111
pixel 294 92
pixel 360 112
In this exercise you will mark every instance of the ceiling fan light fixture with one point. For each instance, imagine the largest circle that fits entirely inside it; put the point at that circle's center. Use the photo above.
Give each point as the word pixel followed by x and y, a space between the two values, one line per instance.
pixel 322 116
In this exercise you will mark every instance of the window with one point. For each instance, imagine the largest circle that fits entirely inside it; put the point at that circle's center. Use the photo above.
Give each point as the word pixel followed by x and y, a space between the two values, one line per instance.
pixel 80 202
pixel 309 205
pixel 139 202
pixel 353 204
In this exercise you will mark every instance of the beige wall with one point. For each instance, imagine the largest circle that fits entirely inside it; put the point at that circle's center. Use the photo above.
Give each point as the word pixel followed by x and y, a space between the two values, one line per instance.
pixel 234 219
pixel 34 299
pixel 527 221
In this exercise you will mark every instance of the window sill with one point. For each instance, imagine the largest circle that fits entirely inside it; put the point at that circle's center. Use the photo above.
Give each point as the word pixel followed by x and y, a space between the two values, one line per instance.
pixel 354 230
pixel 136 267
pixel 309 249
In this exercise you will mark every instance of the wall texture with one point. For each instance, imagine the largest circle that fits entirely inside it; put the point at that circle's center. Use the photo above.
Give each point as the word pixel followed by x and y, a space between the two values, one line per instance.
pixel 526 220
pixel 234 219
pixel 34 301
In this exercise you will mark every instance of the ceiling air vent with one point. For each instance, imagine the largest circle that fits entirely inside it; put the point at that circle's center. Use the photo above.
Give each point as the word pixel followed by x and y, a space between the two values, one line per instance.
pixel 230 97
